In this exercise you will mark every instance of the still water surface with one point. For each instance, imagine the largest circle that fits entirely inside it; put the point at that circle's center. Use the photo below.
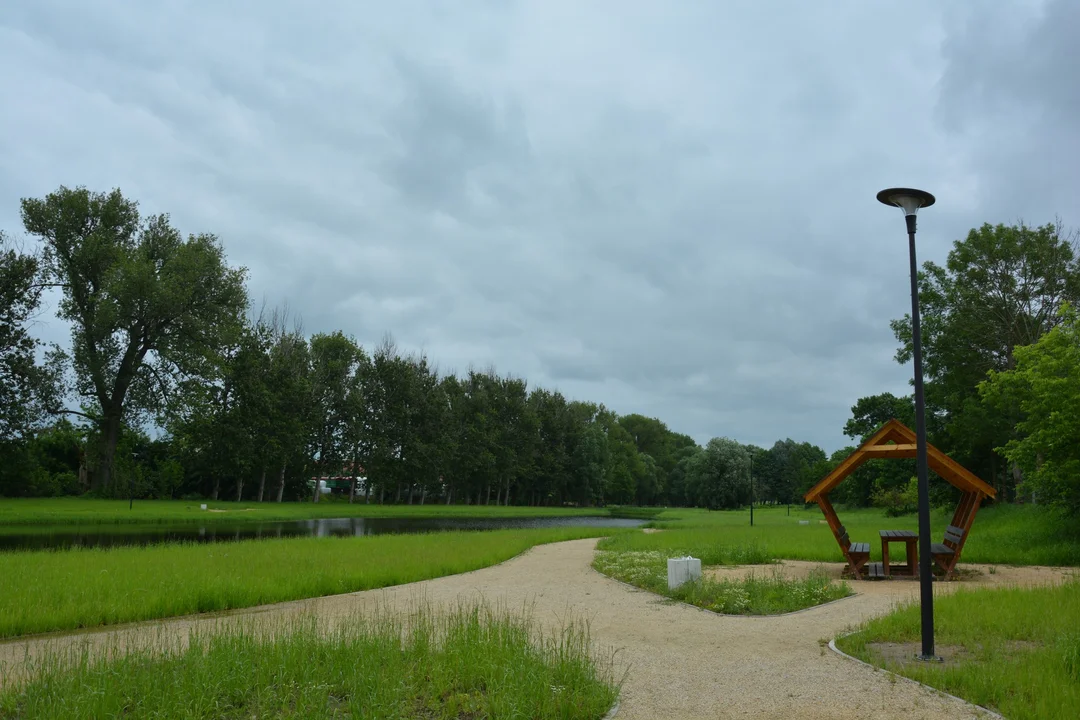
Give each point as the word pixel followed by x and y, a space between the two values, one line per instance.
pixel 67 536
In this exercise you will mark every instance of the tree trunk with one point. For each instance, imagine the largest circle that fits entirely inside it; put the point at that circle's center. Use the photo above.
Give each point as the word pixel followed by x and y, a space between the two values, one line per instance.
pixel 239 486
pixel 262 483
pixel 367 491
pixel 281 483
pixel 423 494
pixel 408 489
pixel 449 494
pixel 217 487
pixel 506 498
pixel 109 438
pixel 315 497
pixel 488 501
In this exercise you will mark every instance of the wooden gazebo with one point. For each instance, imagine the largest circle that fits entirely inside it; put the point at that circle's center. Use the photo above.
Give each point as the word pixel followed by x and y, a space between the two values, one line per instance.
pixel 895 440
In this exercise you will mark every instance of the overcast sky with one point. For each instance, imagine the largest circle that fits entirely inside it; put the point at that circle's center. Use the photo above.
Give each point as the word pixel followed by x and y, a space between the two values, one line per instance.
pixel 664 207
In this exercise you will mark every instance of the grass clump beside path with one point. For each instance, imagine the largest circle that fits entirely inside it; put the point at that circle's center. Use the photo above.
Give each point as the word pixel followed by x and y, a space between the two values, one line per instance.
pixel 471 664
pixel 86 511
pixel 45 591
pixel 753 595
pixel 1016 650
pixel 1002 534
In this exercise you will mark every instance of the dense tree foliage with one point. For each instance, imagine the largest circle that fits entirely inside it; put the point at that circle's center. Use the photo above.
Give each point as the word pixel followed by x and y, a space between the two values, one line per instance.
pixel 25 386
pixel 1043 388
pixel 183 392
pixel 147 307
pixel 1001 288
pixel 997 309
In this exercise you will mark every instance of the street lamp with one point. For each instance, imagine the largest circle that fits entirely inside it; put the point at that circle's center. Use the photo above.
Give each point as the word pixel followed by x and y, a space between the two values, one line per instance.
pixel 910 201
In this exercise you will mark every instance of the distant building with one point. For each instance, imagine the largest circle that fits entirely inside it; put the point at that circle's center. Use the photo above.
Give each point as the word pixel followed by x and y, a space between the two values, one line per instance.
pixel 339 484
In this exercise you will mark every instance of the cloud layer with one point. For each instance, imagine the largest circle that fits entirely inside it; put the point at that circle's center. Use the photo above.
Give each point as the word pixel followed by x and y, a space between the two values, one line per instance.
pixel 665 208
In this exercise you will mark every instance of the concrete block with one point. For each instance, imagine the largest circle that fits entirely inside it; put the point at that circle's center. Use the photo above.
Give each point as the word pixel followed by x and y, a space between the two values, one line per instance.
pixel 681 570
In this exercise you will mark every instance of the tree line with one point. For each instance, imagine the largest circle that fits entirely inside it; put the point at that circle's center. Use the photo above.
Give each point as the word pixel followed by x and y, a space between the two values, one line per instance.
pixel 246 405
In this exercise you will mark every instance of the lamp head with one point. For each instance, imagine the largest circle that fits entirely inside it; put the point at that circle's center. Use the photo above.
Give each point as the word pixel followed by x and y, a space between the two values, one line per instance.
pixel 906 199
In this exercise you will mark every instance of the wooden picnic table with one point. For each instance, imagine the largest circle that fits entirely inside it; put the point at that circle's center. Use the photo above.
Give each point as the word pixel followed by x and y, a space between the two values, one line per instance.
pixel 910 538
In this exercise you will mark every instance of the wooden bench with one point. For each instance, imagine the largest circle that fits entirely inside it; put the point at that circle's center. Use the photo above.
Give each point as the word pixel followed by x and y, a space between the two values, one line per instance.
pixel 857 554
pixel 947 554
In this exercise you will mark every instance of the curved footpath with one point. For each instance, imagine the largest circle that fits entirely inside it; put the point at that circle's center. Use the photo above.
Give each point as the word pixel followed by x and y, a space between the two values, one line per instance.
pixel 679 661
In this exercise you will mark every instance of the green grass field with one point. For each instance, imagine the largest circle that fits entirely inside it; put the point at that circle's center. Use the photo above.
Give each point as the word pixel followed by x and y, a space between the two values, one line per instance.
pixel 1016 651
pixel 47 590
pixel 471 664
pixel 758 594
pixel 1004 534
pixel 57 511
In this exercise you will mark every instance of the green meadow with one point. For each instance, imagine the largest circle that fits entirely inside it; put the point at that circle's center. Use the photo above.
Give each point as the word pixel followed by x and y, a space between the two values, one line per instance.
pixel 473 663
pixel 85 511
pixel 1015 650
pixel 1002 534
pixel 46 591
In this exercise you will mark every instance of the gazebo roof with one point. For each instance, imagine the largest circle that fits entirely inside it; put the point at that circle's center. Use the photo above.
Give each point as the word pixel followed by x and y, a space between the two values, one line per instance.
pixel 896 440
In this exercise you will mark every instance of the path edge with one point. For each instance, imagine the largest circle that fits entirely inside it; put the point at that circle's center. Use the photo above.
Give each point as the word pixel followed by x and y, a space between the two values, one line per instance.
pixel 904 678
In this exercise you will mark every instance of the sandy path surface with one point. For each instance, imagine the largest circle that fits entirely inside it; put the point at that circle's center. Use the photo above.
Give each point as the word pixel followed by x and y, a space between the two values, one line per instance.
pixel 679 661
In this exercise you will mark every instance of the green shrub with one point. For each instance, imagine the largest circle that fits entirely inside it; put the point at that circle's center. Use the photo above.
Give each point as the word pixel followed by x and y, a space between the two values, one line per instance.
pixel 898 501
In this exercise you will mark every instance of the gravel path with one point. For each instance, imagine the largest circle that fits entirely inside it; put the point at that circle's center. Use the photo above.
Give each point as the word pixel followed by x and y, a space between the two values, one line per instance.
pixel 679 661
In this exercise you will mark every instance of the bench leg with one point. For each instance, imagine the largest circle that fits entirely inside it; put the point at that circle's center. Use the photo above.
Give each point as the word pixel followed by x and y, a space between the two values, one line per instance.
pixel 885 558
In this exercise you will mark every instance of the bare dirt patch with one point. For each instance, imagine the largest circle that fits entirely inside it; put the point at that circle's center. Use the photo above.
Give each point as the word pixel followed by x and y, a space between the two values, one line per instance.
pixel 904 654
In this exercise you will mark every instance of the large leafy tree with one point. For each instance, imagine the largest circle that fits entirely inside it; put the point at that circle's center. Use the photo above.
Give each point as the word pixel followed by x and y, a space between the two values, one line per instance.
pixel 25 386
pixel 719 476
pixel 786 470
pixel 335 359
pixel 1002 288
pixel 146 305
pixel 1044 388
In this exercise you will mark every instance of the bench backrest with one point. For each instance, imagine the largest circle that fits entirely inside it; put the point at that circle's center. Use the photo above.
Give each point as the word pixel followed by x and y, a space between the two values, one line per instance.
pixel 954 536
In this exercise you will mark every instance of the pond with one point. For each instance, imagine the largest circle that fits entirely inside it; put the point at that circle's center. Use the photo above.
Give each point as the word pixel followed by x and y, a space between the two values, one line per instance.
pixel 66 536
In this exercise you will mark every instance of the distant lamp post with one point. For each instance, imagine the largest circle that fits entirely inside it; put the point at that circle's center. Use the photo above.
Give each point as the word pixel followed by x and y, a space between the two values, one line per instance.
pixel 910 201
pixel 751 489
pixel 131 482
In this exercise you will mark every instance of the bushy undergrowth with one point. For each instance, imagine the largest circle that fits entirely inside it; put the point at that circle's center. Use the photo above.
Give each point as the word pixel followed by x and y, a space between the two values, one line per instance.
pixel 474 663
pixel 43 591
pixel 757 594
pixel 1020 648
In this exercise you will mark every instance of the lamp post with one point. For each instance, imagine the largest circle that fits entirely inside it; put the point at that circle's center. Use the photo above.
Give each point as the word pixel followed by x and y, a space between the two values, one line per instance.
pixel 910 201
pixel 131 482
pixel 751 490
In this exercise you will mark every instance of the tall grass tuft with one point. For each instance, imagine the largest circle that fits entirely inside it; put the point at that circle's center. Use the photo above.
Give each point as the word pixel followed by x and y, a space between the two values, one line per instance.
pixel 761 594
pixel 1021 648
pixel 470 663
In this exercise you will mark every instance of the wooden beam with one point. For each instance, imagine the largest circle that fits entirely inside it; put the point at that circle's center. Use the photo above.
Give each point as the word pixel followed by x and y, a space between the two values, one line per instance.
pixel 890 451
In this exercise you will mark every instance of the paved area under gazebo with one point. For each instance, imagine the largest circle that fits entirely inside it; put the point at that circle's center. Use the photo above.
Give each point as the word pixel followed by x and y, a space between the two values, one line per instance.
pixel 896 440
